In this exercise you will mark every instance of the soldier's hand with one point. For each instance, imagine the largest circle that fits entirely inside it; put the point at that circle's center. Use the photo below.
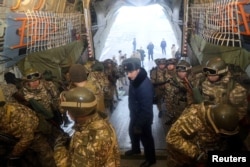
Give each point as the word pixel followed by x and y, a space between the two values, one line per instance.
pixel 137 130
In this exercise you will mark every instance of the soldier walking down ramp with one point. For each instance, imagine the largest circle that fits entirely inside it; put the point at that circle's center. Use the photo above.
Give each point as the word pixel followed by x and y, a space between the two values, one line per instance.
pixel 158 78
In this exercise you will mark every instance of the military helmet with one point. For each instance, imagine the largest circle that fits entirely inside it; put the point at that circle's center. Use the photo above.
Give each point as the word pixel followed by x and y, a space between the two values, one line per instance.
pixel 183 66
pixel 161 61
pixel 171 61
pixel 31 75
pixel 78 101
pixel 98 66
pixel 224 119
pixel 215 66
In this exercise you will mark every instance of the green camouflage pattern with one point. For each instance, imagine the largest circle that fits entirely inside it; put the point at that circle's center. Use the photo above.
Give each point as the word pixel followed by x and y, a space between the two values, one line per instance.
pixel 19 121
pixel 46 94
pixel 169 92
pixel 158 79
pixel 190 136
pixel 8 91
pixel 102 83
pixel 112 74
pixel 97 91
pixel 101 80
pixel 22 123
pixel 93 144
pixel 226 91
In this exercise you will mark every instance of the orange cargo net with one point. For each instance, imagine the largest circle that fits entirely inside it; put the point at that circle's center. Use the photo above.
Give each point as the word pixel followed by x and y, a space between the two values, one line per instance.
pixel 36 36
pixel 244 17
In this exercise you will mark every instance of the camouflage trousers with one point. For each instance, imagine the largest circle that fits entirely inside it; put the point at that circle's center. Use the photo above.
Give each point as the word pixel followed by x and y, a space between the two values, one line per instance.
pixel 170 107
pixel 38 154
pixel 160 97
pixel 176 159
pixel 174 108
pixel 43 151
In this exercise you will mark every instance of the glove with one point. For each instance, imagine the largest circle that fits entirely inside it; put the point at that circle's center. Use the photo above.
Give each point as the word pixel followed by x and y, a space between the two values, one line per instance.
pixel 137 130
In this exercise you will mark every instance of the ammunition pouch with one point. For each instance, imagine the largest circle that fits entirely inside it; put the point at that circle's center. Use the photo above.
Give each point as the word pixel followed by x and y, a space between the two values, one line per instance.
pixel 197 96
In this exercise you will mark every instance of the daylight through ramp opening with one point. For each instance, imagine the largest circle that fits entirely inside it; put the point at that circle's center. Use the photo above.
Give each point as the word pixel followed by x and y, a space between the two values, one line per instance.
pixel 146 24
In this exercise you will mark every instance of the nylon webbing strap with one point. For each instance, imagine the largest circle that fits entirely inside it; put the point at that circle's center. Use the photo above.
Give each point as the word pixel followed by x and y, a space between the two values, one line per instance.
pixel 78 104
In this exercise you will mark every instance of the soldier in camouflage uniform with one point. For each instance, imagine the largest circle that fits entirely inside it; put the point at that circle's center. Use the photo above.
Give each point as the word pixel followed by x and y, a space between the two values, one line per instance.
pixel 111 71
pixel 10 87
pixel 182 89
pixel 90 62
pixel 22 124
pixel 94 142
pixel 8 91
pixel 157 77
pixel 78 78
pixel 42 91
pixel 169 93
pixel 42 97
pixel 200 129
pixel 98 77
pixel 220 87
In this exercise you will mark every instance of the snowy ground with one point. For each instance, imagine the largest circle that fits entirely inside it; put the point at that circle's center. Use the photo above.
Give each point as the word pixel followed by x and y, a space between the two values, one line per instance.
pixel 146 24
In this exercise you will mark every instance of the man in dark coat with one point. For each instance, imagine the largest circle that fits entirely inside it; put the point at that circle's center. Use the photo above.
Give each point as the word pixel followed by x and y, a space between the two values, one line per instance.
pixel 141 111
pixel 163 46
pixel 150 48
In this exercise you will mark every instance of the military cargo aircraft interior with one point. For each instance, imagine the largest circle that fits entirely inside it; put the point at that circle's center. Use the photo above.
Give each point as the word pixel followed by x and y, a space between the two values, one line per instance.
pixel 195 53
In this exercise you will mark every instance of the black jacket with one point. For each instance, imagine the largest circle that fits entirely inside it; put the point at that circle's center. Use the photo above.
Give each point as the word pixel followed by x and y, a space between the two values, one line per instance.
pixel 141 100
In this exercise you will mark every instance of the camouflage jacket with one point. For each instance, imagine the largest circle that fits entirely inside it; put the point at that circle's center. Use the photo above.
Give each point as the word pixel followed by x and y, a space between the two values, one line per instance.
pixel 46 93
pixel 185 91
pixel 8 91
pixel 190 135
pixel 226 90
pixel 112 74
pixel 93 144
pixel 100 80
pixel 20 122
pixel 168 87
pixel 158 76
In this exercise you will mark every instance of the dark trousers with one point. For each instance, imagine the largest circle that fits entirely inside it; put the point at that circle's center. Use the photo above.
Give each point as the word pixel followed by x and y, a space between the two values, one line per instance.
pixel 150 55
pixel 163 50
pixel 147 141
